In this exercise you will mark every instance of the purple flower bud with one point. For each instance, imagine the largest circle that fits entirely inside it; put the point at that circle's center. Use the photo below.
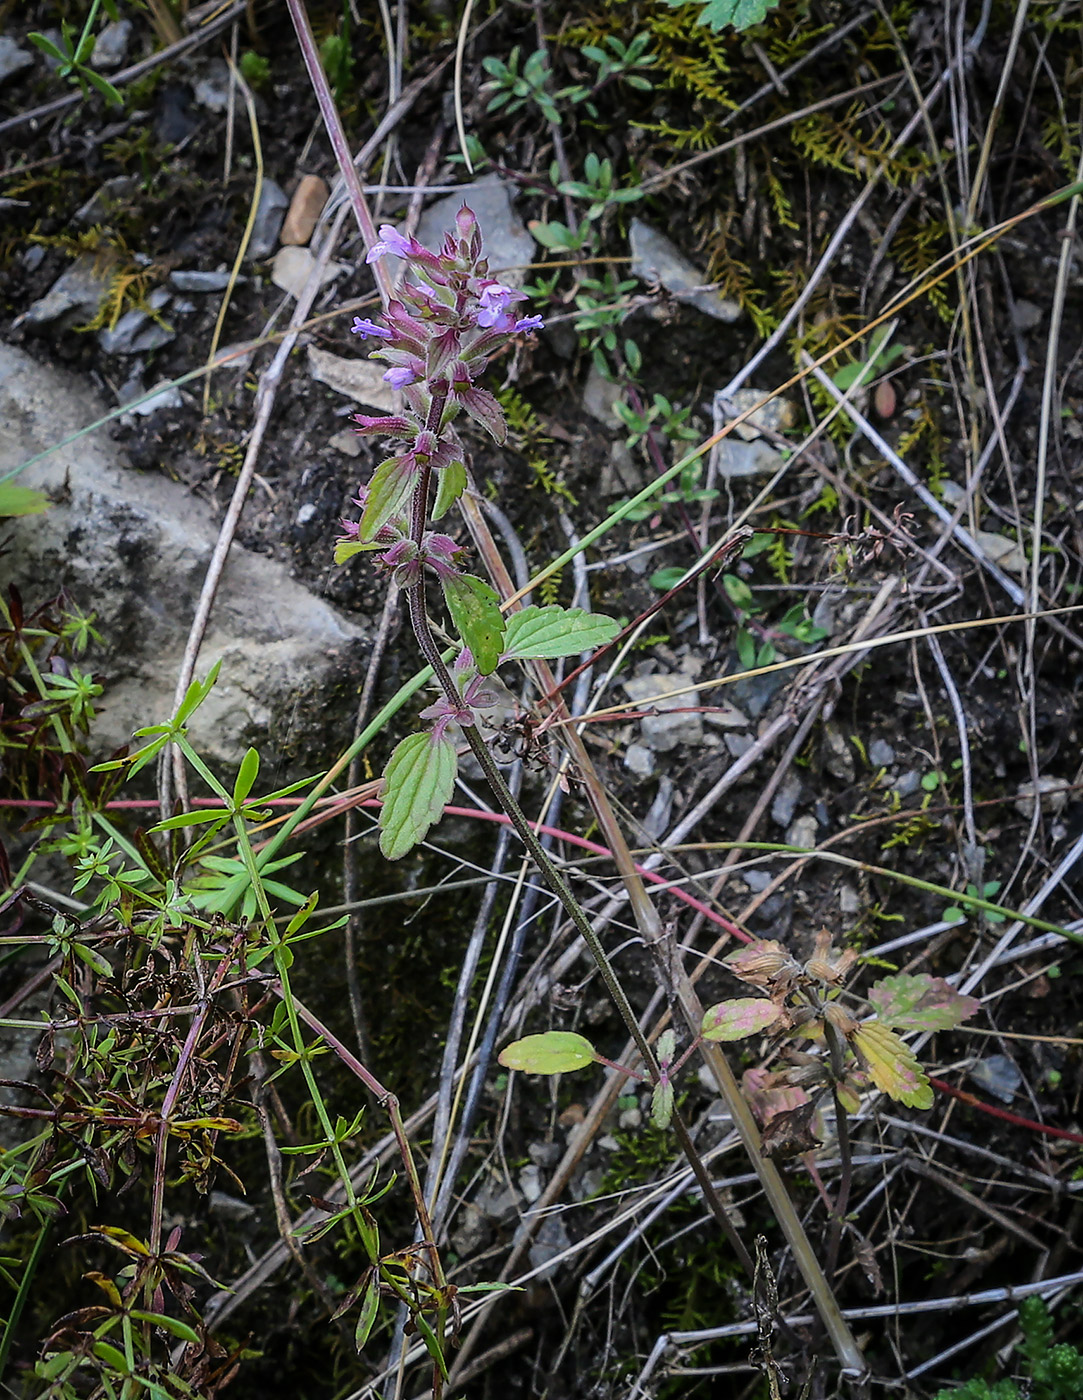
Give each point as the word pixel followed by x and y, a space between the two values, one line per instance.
pixel 530 323
pixel 391 241
pixel 399 376
pixel 364 328
pixel 465 222
pixel 385 427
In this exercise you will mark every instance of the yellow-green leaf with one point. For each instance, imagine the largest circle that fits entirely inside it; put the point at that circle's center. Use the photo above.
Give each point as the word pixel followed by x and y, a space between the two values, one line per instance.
pixel 554 1052
pixel 892 1065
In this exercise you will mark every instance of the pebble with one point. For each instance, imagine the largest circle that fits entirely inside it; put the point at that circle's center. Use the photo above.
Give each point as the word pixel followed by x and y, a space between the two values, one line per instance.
pixel 270 212
pixel 550 1241
pixel 665 730
pixel 212 89
pixel 803 833
pixel 849 899
pixel 346 442
pixel 630 1119
pixel 170 397
pixel 757 880
pixel 838 757
pixel 1025 315
pixel 508 246
pixel 1005 552
pixel 908 783
pixel 599 397
pixel 305 514
pixel 738 744
pixel 292 267
pixel 545 1154
pixel 530 1183
pixel 306 206
pixel 786 799
pixel 97 207
pixel 997 1075
pixel 111 45
pixel 360 380
pixel 777 414
pixel 13 59
pixel 738 459
pixel 173 118
pixel 1053 792
pixel 638 759
pixel 81 288
pixel 655 259
pixel 196 281
pixel 135 332
pixel 726 716
pixel 621 474
pixel 881 754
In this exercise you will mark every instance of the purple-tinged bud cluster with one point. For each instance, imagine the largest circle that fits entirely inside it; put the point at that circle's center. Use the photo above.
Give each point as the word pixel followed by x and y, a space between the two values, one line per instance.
pixel 436 338
pixel 401 555
pixel 472 697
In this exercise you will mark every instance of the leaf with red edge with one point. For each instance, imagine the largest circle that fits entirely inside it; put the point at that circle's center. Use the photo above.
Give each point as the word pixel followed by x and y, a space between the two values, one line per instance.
pixel 920 1002
pixel 735 1020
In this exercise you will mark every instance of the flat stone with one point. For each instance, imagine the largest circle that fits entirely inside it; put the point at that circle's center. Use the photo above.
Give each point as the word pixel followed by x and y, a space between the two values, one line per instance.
pixel 621 475
pixel 81 288
pixel 136 332
pixel 111 45
pixel 550 1242
pixel 211 89
pixel 293 266
pixel 738 744
pixel 347 442
pixel 638 759
pixel 530 1183
pixel 665 730
pixel 907 783
pixel 723 715
pixel 736 458
pixel 997 1075
pixel 306 206
pixel 803 833
pixel 838 756
pixel 508 246
pixel 132 548
pixel 656 260
pixel 360 380
pixel 849 899
pixel 13 59
pixel 99 206
pixel 599 397
pixel 1001 550
pixel 196 281
pixel 881 754
pixel 785 801
pixel 776 415
pixel 1053 793
pixel 169 397
pixel 270 211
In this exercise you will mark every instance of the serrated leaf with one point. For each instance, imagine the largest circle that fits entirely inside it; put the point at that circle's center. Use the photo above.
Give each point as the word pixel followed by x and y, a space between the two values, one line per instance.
pixel 21 500
pixel 391 484
pixel 418 782
pixel 475 611
pixel 370 1305
pixel 662 1105
pixel 920 1002
pixel 892 1065
pixel 734 1020
pixel 543 634
pixel 554 1052
pixel 738 14
pixel 450 484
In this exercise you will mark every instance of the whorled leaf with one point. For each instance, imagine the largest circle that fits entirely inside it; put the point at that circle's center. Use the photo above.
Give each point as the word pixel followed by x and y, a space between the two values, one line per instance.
pixel 737 1019
pixel 543 634
pixel 920 1002
pixel 475 611
pixel 553 1052
pixel 418 782
pixel 891 1064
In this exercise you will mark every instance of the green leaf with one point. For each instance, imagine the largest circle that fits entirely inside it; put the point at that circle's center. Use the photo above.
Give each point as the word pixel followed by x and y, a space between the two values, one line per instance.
pixel 475 611
pixel 920 1002
pixel 346 549
pixel 740 14
pixel 93 959
pixel 740 595
pixel 246 776
pixel 892 1065
pixel 196 693
pixel 734 1020
pixel 112 1356
pixel 662 1105
pixel 545 633
pixel 21 500
pixel 199 817
pixel 418 782
pixel 48 47
pixel 370 1306
pixel 662 580
pixel 172 1325
pixel 555 1052
pixel 391 484
pixel 450 484
pixel 104 86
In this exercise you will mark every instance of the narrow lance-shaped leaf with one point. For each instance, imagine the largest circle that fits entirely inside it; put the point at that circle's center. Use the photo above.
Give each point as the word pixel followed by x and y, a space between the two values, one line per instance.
pixel 475 611
pixel 542 634
pixel 920 1002
pixel 554 1052
pixel 734 1020
pixel 418 782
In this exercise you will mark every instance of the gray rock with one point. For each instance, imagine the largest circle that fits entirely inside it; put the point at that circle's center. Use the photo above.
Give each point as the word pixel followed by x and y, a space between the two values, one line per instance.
pixel 737 459
pixel 196 281
pixel 665 730
pixel 360 380
pixel 738 744
pixel 530 1183
pixel 347 442
pixel 786 799
pixel 136 333
pixel 211 90
pixel 777 414
pixel 656 259
pixel 997 1075
pixel 639 760
pixel 756 693
pixel 97 207
pixel 293 266
pixel 1026 315
pixel 849 899
pixel 81 288
pixel 621 475
pixel 133 548
pixel 545 1154
pixel 270 212
pixel 471 1233
pixel 599 396
pixel 803 833
pixel 111 45
pixel 550 1242
pixel 723 715
pixel 1053 793
pixel 757 881
pixel 908 783
pixel 881 754
pixel 13 59
pixel 508 246
pixel 838 756
pixel 169 397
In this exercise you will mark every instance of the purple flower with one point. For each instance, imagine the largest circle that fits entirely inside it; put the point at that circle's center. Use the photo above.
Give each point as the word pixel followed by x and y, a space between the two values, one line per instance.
pixel 364 328
pixel 530 323
pixel 493 299
pixel 399 376
pixel 391 241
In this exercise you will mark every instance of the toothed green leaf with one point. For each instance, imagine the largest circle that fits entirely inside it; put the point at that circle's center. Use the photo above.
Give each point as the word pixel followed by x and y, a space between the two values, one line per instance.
pixel 546 633
pixel 418 782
